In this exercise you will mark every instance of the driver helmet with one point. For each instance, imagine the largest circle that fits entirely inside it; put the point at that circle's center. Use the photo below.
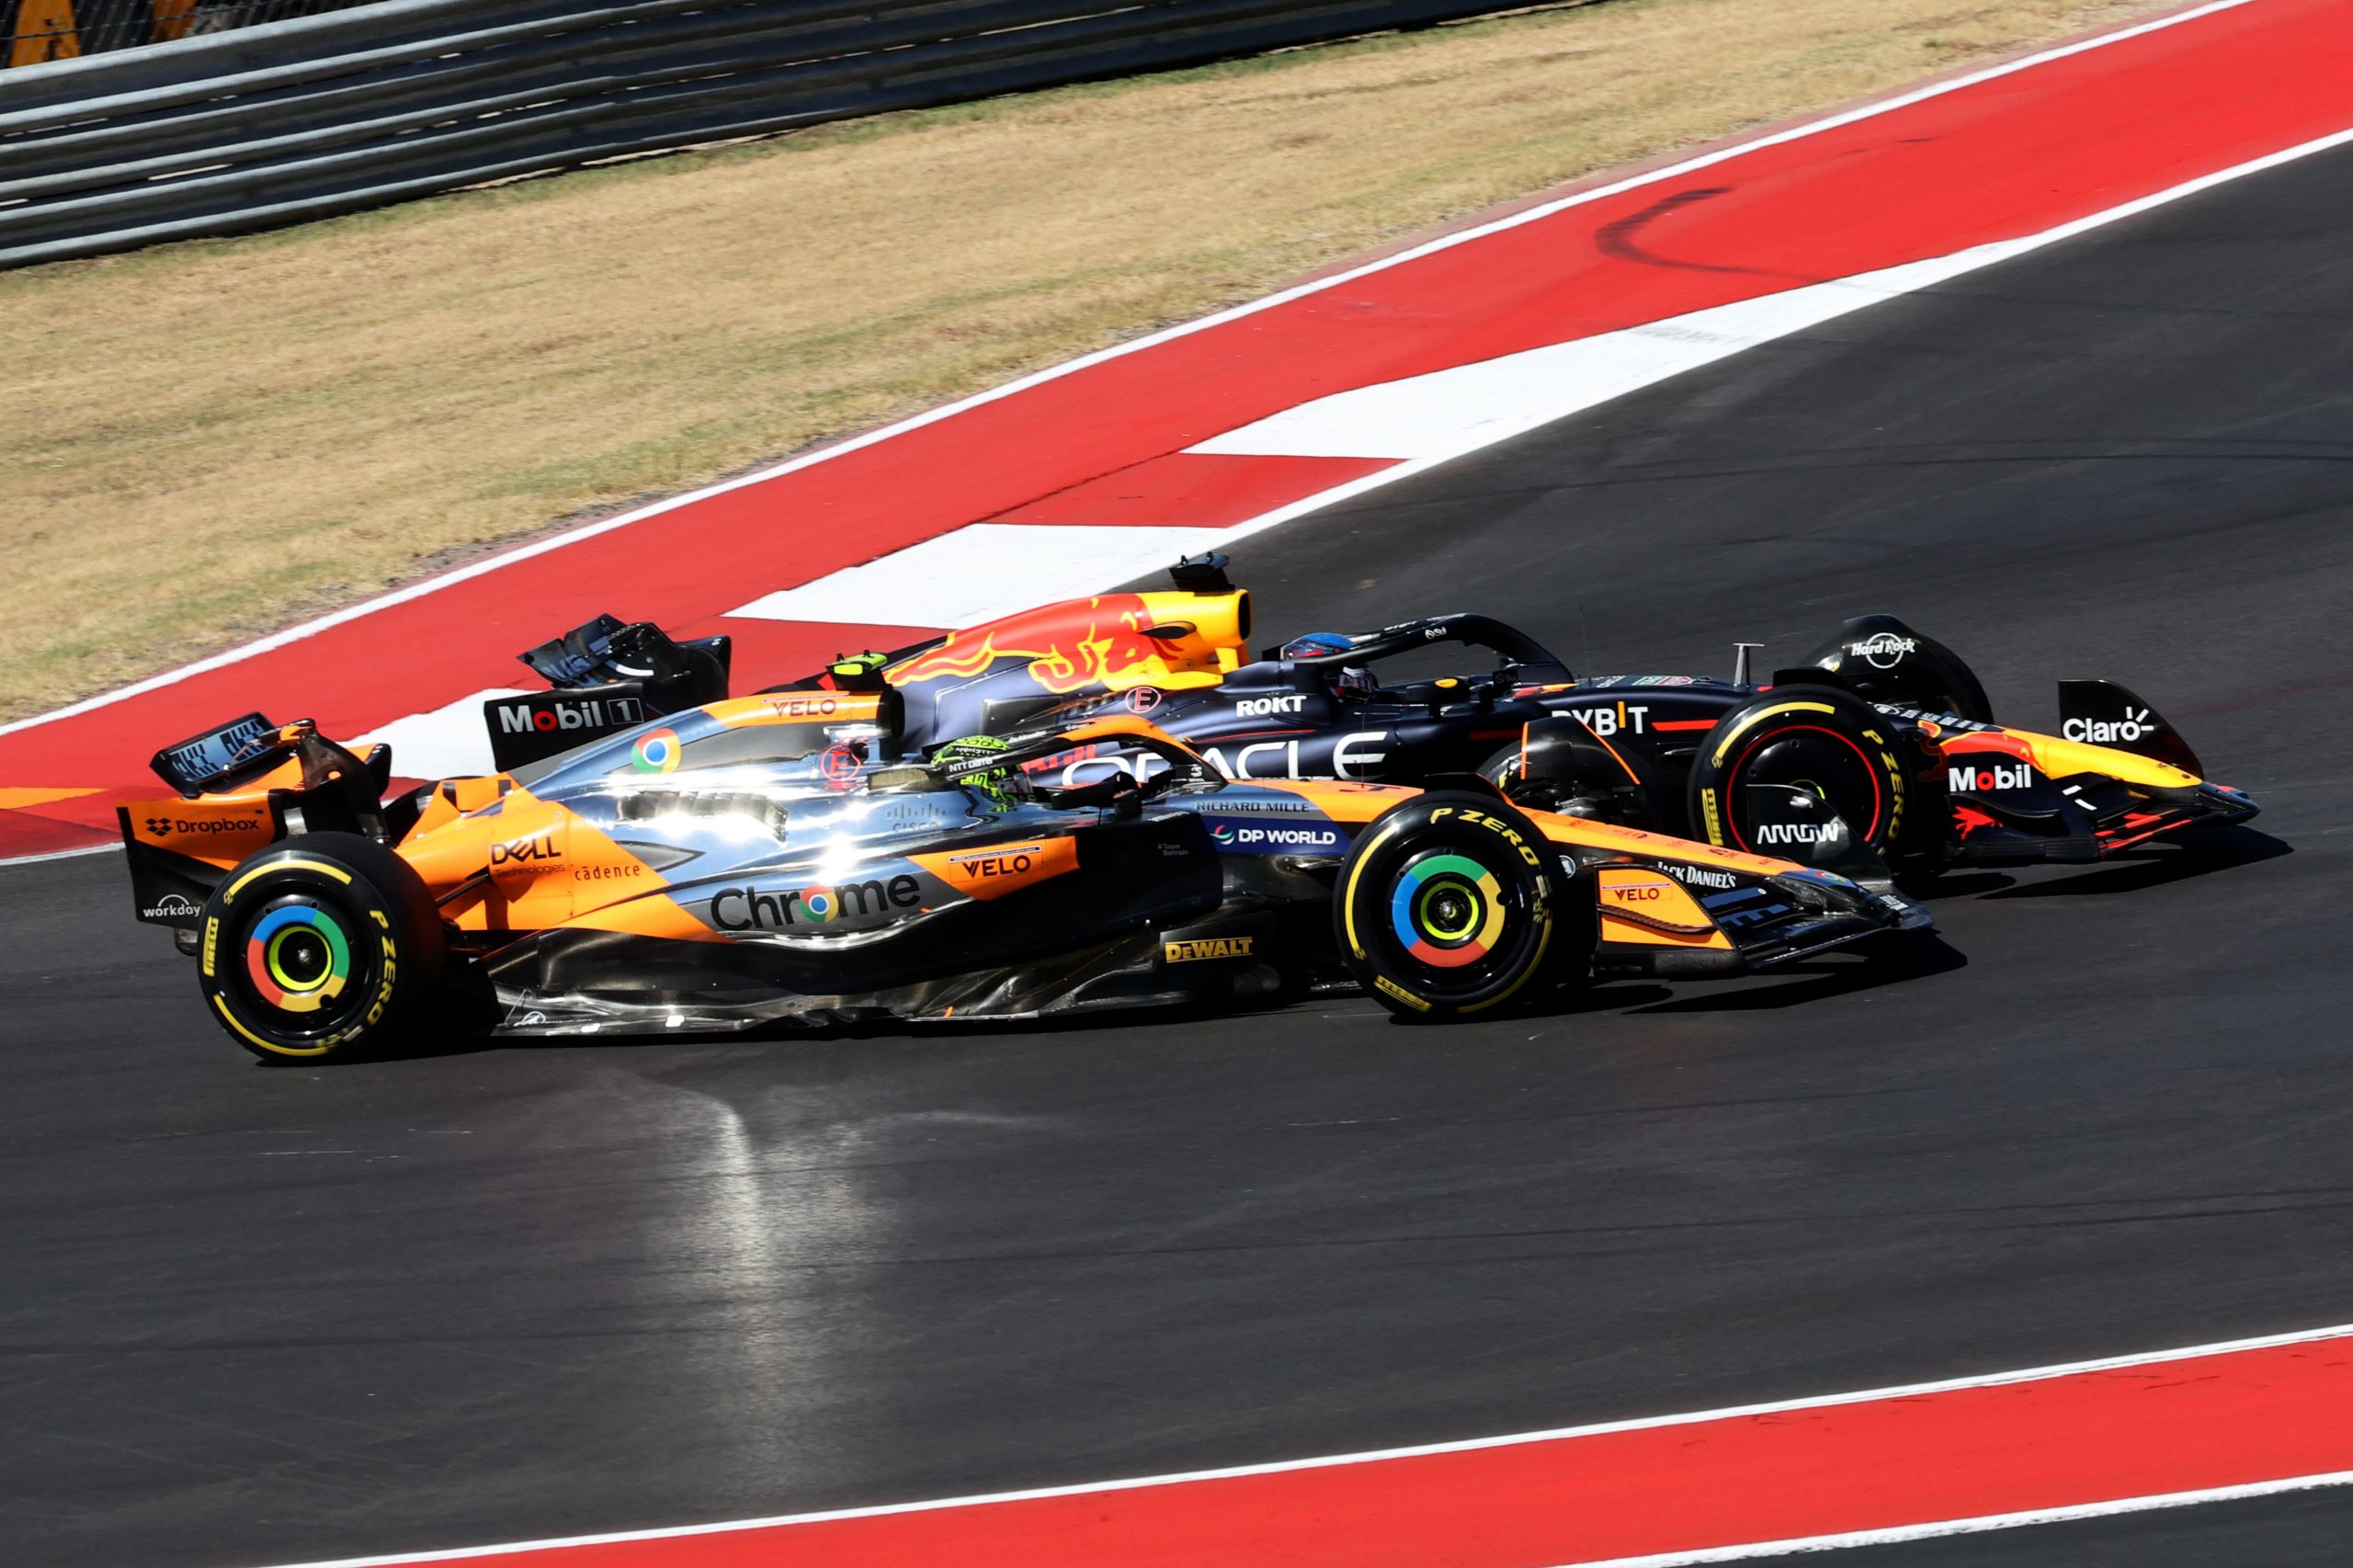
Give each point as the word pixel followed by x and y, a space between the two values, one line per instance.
pixel 995 785
pixel 1316 645
pixel 1322 645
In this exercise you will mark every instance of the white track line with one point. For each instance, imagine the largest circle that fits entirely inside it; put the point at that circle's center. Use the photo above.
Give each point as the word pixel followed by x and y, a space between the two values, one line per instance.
pixel 1823 1401
pixel 1446 242
pixel 1442 415
pixel 62 854
pixel 1897 1534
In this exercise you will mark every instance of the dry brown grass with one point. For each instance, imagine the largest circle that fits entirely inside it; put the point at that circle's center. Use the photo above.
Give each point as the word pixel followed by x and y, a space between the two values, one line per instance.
pixel 203 440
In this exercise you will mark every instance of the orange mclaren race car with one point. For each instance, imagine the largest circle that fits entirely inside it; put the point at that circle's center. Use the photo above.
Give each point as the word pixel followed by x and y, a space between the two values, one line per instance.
pixel 776 858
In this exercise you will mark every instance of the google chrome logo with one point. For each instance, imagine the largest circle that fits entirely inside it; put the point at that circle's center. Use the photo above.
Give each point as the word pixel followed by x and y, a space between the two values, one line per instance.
pixel 656 751
pixel 820 904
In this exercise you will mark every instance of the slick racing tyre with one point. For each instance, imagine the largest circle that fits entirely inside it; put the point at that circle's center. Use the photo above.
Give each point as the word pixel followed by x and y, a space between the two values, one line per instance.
pixel 1826 742
pixel 320 948
pixel 1450 906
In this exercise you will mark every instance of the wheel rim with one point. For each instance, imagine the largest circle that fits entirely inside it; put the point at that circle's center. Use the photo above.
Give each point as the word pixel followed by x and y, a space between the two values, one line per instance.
pixel 1821 761
pixel 297 960
pixel 1446 911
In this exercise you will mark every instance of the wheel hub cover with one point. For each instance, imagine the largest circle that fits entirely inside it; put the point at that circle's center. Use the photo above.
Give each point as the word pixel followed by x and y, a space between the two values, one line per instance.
pixel 1446 911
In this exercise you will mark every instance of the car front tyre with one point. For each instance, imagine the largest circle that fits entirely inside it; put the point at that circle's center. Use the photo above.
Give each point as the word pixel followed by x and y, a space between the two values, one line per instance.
pixel 1451 907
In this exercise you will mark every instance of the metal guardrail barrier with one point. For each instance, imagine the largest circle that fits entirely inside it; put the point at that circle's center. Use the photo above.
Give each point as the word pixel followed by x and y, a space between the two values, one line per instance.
pixel 234 130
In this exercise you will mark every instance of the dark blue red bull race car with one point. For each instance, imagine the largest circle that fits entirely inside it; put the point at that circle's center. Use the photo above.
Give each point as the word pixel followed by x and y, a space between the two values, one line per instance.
pixel 1887 726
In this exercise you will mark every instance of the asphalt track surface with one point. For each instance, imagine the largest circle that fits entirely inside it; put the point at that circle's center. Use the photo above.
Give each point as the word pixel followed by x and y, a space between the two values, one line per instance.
pixel 258 1314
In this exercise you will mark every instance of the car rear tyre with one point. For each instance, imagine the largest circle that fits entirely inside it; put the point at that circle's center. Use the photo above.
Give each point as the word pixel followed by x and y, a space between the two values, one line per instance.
pixel 322 947
pixel 1818 739
pixel 1450 906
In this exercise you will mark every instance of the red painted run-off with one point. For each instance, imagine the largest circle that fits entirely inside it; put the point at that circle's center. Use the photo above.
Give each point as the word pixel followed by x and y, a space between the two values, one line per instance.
pixel 1998 159
pixel 2229 1419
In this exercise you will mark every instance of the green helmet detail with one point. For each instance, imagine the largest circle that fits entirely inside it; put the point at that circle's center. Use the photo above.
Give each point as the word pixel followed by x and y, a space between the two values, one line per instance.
pixel 959 756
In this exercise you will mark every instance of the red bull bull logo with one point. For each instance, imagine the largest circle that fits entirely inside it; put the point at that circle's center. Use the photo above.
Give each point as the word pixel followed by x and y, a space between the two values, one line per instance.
pixel 1070 647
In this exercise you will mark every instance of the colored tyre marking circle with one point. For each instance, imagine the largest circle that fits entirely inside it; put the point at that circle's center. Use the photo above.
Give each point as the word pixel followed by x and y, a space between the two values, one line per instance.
pixel 656 751
pixel 1446 911
pixel 298 958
